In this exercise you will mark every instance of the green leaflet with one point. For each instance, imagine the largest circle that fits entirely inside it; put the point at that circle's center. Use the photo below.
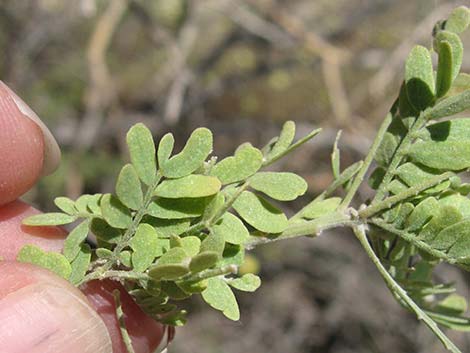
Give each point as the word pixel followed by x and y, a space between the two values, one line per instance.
pixel 246 283
pixel 173 290
pixel 125 258
pixel 387 148
pixel 219 296
pixel 450 236
pixel 246 162
pixel 335 157
pixel 178 208
pixel 422 214
pixel 167 227
pixel 104 231
pixel 214 206
pixel 74 240
pixel 213 242
pixel 142 152
pixel 449 130
pixel 405 107
pixel 460 84
pixel 283 141
pixel 114 212
pixel 459 20
pixel 66 205
pixel 412 175
pixel 279 186
pixel 446 155
pixel 396 187
pixel 445 217
pixel 191 245
pixel 89 204
pixel 419 78
pixel 104 253
pixel 445 68
pixel 49 219
pixel 146 247
pixel 259 213
pixel 232 255
pixel 170 265
pixel 319 208
pixel 280 154
pixel 128 188
pixel 80 264
pixel 52 261
pixel 203 261
pixel 191 186
pixel 193 155
pixel 165 147
pixel 231 229
pixel 403 213
pixel 456 49
pixel 450 106
pixel 461 203
pixel 453 304
pixel 193 287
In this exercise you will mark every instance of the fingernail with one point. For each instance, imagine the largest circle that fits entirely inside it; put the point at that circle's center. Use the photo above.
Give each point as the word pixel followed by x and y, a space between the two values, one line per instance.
pixel 51 148
pixel 42 318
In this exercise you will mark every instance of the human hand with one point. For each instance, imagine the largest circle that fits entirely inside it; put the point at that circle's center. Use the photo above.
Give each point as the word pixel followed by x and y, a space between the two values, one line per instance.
pixel 40 312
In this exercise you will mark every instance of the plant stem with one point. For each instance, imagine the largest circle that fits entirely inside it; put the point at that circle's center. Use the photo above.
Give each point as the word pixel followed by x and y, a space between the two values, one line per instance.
pixel 412 239
pixel 122 324
pixel 135 223
pixel 359 231
pixel 400 152
pixel 211 273
pixel 413 191
pixel 114 274
pixel 311 228
pixel 367 161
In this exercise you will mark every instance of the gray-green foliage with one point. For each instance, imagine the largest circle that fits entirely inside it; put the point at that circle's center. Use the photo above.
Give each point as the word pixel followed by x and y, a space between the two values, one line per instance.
pixel 180 225
pixel 177 225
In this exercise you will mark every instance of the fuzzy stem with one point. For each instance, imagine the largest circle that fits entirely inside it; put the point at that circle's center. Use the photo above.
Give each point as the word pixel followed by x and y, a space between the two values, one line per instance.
pixel 367 161
pixel 413 191
pixel 122 324
pixel 311 228
pixel 360 233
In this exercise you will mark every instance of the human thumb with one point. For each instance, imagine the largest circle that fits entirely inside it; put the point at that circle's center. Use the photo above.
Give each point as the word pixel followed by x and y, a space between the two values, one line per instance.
pixel 41 313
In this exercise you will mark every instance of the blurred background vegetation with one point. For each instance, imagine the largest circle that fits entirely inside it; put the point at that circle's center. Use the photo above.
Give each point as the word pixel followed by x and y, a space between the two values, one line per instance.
pixel 93 68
